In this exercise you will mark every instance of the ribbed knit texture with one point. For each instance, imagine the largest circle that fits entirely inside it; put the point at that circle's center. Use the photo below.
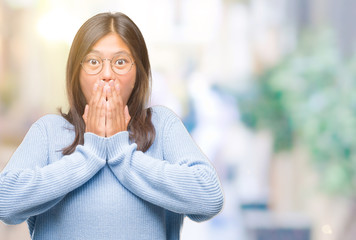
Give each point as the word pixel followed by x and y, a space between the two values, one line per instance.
pixel 107 189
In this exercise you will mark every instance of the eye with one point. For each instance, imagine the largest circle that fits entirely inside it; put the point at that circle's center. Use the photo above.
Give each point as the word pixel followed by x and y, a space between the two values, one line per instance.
pixel 121 62
pixel 93 62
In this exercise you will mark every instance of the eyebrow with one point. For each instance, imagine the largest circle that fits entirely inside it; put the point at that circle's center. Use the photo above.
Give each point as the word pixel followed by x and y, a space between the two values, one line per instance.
pixel 98 52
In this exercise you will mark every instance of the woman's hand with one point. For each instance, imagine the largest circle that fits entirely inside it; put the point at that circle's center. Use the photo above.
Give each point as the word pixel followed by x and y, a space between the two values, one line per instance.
pixel 95 111
pixel 117 114
pixel 106 114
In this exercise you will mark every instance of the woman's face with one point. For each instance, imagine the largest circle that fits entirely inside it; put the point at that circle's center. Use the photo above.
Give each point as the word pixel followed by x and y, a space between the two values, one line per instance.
pixel 108 47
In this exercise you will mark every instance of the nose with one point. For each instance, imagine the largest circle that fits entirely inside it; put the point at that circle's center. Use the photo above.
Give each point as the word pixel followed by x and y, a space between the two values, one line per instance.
pixel 107 73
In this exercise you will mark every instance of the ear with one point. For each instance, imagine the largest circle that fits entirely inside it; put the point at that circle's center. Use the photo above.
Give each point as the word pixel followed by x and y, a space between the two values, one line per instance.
pixel 85 115
pixel 127 116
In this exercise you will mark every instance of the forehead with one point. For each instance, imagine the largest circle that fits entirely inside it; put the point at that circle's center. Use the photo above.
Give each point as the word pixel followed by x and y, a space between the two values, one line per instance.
pixel 110 44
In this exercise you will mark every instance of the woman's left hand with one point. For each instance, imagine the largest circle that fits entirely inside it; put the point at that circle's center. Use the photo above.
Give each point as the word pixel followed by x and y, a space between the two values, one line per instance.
pixel 117 114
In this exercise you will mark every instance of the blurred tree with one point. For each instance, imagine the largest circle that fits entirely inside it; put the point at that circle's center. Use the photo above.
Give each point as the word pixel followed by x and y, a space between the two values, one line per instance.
pixel 8 93
pixel 309 97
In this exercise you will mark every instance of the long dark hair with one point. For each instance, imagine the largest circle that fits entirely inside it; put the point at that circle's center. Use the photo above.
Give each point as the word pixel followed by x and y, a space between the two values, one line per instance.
pixel 141 129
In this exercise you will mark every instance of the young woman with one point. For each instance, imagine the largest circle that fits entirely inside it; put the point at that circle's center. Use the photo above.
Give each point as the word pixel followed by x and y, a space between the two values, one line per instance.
pixel 110 168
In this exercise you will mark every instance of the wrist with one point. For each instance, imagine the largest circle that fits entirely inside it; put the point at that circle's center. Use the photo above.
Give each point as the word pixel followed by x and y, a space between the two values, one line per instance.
pixel 117 143
pixel 96 144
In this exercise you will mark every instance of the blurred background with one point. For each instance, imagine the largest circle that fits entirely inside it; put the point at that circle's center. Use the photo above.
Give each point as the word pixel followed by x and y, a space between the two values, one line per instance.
pixel 265 87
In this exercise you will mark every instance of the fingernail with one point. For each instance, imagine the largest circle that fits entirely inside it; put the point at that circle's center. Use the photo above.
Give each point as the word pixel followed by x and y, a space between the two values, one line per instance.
pixel 101 83
pixel 95 86
pixel 117 87
pixel 111 83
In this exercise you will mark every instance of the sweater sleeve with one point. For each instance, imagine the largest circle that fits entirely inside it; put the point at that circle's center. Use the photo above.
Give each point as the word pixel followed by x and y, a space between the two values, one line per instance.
pixel 29 185
pixel 183 182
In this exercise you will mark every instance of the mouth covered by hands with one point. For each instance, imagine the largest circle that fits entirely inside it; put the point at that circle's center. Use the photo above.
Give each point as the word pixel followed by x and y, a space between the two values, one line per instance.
pixel 106 114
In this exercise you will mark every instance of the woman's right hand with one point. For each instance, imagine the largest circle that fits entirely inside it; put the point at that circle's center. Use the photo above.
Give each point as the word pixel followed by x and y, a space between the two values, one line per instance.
pixel 95 111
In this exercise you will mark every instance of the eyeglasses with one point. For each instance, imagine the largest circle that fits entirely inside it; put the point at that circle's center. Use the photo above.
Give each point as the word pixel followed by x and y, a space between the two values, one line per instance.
pixel 121 63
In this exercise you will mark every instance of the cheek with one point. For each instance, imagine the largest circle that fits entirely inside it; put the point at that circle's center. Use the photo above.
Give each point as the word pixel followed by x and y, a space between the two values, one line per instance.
pixel 128 83
pixel 86 85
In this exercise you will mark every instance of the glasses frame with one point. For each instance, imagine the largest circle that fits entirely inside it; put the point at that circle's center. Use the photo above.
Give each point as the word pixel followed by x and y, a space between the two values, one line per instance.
pixel 111 65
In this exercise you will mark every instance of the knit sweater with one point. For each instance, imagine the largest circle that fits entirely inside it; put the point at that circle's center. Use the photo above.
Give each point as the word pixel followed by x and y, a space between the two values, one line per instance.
pixel 107 189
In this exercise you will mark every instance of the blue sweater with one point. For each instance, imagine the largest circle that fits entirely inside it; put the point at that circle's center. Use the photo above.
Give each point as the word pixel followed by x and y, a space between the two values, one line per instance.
pixel 107 189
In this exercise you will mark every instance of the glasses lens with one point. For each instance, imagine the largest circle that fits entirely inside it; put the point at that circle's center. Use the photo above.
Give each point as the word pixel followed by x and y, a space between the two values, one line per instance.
pixel 92 64
pixel 121 63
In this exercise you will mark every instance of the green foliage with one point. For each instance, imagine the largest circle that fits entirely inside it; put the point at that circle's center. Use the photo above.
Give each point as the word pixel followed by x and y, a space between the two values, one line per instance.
pixel 310 97
pixel 8 92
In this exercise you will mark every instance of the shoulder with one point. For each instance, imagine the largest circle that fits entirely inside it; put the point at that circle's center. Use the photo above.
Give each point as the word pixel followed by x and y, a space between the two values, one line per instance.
pixel 52 123
pixel 162 114
pixel 164 120
pixel 52 119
